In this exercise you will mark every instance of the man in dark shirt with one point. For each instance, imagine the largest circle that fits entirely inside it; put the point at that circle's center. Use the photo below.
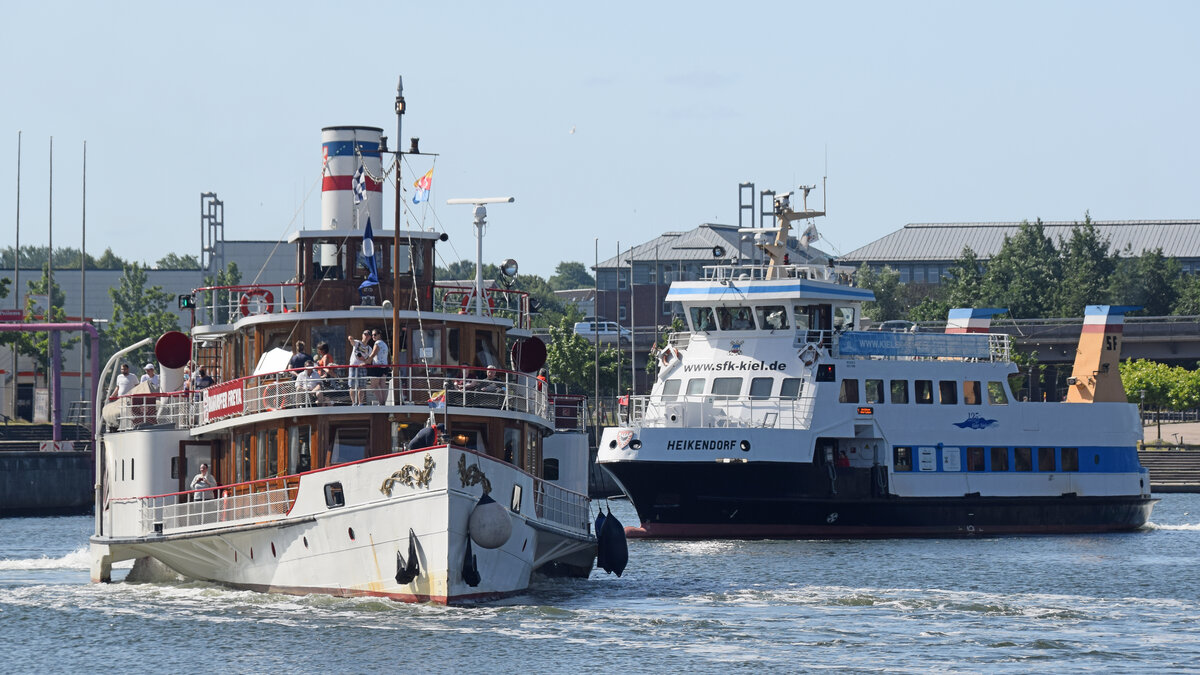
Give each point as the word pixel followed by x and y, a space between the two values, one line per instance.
pixel 299 356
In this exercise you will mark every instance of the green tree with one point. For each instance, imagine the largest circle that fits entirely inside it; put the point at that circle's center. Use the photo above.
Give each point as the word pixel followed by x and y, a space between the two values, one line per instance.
pixel 1087 264
pixel 885 284
pixel 1188 301
pixel 571 360
pixel 215 305
pixel 964 281
pixel 929 309
pixel 138 312
pixel 570 275
pixel 36 346
pixel 110 261
pixel 1150 280
pixel 1022 272
pixel 172 261
pixel 1149 383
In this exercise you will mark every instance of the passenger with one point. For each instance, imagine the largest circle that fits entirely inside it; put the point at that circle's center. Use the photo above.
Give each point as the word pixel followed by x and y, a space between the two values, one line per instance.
pixel 125 382
pixel 203 380
pixel 150 376
pixel 379 369
pixel 203 481
pixel 358 358
pixel 427 437
pixel 742 321
pixel 308 385
pixel 841 460
pixel 299 356
pixel 325 362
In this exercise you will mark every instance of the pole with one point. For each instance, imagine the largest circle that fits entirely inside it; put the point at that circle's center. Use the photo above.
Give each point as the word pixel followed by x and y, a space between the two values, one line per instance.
pixel 632 329
pixel 17 278
pixel 83 275
pixel 617 268
pixel 54 353
pixel 596 329
pixel 396 347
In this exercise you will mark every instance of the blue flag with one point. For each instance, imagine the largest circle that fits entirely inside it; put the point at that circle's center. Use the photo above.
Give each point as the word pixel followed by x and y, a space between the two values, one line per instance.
pixel 368 258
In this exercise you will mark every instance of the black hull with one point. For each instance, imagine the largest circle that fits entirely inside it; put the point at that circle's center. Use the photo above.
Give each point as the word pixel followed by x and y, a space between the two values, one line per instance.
pixel 779 500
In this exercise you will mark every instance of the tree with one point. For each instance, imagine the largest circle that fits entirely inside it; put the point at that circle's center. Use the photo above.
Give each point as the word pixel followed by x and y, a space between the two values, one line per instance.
pixel 1188 302
pixel 1087 264
pixel 1149 383
pixel 570 275
pixel 36 346
pixel 570 358
pixel 217 302
pixel 886 285
pixel 110 261
pixel 1022 272
pixel 138 312
pixel 964 281
pixel 172 261
pixel 1150 281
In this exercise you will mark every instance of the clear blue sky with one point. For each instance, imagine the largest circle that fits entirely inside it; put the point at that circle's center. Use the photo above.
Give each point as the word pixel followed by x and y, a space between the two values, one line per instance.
pixel 928 111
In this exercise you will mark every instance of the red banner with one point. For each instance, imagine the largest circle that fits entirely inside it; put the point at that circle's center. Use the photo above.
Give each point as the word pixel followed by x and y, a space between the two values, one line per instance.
pixel 222 400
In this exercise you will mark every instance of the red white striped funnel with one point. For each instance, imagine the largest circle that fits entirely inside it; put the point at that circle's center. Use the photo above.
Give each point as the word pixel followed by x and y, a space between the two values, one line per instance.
pixel 343 149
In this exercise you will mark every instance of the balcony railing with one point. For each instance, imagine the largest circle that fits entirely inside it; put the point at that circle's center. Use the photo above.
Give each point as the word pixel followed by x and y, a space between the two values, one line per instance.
pixel 562 506
pixel 570 412
pixel 499 302
pixel 227 304
pixel 719 412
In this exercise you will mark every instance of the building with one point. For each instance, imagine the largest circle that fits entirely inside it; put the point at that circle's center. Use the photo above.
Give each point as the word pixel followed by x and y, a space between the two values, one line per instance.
pixel 924 252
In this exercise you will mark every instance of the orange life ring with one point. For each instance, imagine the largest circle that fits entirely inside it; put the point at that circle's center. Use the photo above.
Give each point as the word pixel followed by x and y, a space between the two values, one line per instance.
pixel 264 301
pixel 469 297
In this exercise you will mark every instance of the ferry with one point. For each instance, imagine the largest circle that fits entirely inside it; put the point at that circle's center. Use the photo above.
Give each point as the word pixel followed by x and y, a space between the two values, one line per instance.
pixel 443 473
pixel 776 415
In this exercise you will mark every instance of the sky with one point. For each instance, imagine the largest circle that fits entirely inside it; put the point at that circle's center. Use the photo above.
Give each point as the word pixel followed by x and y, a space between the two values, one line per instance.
pixel 607 122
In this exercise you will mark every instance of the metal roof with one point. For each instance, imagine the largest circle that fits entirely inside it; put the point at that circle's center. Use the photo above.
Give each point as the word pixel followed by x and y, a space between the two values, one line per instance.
pixel 698 245
pixel 945 241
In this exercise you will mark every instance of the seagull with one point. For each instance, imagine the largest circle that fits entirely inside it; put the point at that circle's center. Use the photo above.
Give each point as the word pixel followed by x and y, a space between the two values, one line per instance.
pixel 572 131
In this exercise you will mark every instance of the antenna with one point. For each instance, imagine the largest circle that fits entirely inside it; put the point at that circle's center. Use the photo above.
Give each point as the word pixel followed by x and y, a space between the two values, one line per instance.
pixel 480 221
pixel 824 190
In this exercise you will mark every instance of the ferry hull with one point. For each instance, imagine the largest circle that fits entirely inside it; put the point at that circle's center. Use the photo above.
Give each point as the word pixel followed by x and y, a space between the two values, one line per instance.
pixel 774 500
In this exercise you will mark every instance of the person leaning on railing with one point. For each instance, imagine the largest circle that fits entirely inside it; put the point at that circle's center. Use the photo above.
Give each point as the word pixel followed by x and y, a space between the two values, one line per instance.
pixel 205 482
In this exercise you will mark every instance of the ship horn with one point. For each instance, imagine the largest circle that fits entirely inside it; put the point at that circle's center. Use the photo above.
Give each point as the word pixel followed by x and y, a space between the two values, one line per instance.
pixel 407 571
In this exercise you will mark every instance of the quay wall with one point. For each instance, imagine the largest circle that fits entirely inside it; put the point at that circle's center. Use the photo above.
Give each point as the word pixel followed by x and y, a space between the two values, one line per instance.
pixel 45 483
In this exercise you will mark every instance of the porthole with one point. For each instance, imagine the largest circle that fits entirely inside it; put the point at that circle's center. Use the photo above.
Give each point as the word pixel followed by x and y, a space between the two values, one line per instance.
pixel 636 444
pixel 745 445
pixel 612 443
pixel 252 553
pixel 305 541
pixel 273 555
pixel 350 531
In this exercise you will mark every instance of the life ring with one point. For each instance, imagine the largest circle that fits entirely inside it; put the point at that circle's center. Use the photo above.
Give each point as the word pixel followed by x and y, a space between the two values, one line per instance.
pixel 468 299
pixel 809 354
pixel 224 509
pixel 264 301
pixel 669 359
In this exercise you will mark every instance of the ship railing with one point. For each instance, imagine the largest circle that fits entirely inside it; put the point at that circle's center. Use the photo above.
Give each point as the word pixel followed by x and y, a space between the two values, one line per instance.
pixel 842 275
pixel 179 410
pixel 433 386
pixel 680 340
pixel 570 412
pixel 257 501
pixel 559 505
pixel 715 412
pixel 499 302
pixel 912 346
pixel 227 304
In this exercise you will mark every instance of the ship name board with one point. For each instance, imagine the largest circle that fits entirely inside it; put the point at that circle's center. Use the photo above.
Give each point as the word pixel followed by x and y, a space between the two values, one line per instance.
pixel 702 444
pixel 223 399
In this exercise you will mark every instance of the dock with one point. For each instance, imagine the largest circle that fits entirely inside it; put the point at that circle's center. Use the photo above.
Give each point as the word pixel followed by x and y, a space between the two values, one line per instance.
pixel 1173 462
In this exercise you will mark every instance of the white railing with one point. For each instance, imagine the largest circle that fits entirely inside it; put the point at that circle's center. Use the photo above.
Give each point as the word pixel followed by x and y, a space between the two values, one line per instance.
pixel 570 412
pixel 559 505
pixel 183 511
pixel 227 304
pixel 718 412
pixel 499 302
pixel 843 275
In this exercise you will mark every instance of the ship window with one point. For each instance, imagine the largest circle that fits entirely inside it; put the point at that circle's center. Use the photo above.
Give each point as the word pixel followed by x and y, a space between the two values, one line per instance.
pixel 695 386
pixel 1045 459
pixel 349 445
pixel 899 391
pixel 272 453
pixel 334 497
pixel 801 316
pixel 924 391
pixel 826 372
pixel 874 391
pixel 260 452
pixel 452 345
pixel 971 393
pixel 243 467
pixel 1023 459
pixel 772 317
pixel 849 392
pixel 670 389
pixel 999 459
pixel 512 446
pixel 735 318
pixel 702 319
pixel 843 319
pixel 299 456
pixel 550 468
pixel 174 467
pixel 975 459
pixel 760 387
pixel 901 458
pixel 428 345
pixel 996 395
pixel 727 386
pixel 791 387
pixel 948 391
pixel 1070 459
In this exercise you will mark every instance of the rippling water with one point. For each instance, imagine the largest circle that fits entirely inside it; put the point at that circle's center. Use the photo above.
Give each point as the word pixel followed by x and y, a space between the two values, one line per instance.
pixel 1100 603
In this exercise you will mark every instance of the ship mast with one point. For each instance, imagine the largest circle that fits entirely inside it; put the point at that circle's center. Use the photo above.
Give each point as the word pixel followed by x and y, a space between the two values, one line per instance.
pixel 784 215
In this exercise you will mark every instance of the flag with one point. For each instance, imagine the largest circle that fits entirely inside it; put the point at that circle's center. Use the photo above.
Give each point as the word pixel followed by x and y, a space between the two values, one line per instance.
pixel 624 400
pixel 368 258
pixel 422 184
pixel 810 235
pixel 359 184
pixel 438 400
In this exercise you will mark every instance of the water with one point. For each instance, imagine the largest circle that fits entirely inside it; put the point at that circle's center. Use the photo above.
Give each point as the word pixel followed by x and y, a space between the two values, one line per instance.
pixel 1089 603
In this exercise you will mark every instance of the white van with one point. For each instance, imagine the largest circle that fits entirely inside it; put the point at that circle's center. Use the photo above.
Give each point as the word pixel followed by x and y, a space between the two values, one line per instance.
pixel 609 331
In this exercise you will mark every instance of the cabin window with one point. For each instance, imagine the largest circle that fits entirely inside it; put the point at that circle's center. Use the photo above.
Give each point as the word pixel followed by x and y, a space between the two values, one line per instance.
pixel 550 468
pixel 702 319
pixel 849 391
pixel 971 393
pixel 243 466
pixel 948 391
pixel 512 446
pixel 260 452
pixel 695 386
pixel 485 350
pixel 996 394
pixel 901 458
pixel 772 317
pixel 428 344
pixel 175 467
pixel 999 459
pixel 826 372
pixel 668 308
pixel 515 502
pixel 923 391
pixel 335 337
pixel 670 389
pixel 131 461
pixel 1070 459
pixel 760 387
pixel 1045 459
pixel 1023 459
pixel 452 335
pixel 874 391
pixel 843 319
pixel 299 453
pixel 273 453
pixel 531 450
pixel 349 445
pixel 899 391
pixel 334 497
pixel 800 315
pixel 735 318
pixel 727 386
pixel 975 459
pixel 791 387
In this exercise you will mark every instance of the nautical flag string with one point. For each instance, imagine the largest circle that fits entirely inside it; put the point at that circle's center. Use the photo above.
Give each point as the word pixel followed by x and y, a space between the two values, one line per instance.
pixel 359 184
pixel 422 185
pixel 368 258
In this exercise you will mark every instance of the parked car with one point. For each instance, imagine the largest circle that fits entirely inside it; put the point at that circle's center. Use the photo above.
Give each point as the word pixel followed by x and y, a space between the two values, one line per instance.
pixel 609 331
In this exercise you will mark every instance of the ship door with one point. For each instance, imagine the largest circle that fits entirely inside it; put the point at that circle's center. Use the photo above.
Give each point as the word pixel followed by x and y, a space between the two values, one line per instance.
pixel 191 455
